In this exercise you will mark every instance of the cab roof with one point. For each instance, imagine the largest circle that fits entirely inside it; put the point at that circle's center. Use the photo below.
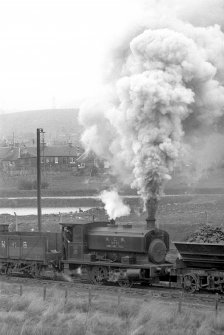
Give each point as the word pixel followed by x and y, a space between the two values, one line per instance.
pixel 83 223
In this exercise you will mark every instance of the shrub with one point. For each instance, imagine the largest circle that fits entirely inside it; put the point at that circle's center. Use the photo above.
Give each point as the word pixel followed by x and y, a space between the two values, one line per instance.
pixel 44 184
pixel 25 184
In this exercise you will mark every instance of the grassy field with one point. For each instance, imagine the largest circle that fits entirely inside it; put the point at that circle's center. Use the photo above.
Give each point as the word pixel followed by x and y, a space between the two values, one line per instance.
pixel 30 314
pixel 65 183
pixel 61 183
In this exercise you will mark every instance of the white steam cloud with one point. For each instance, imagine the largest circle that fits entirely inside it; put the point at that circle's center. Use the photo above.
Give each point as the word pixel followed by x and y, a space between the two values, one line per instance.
pixel 165 88
pixel 208 157
pixel 114 205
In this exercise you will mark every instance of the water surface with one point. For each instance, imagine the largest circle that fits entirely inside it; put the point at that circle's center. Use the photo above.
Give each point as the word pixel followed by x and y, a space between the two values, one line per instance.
pixel 45 210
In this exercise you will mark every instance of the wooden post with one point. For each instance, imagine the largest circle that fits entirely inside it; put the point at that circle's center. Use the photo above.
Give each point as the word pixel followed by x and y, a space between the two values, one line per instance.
pixel 206 217
pixel 90 296
pixel 39 130
pixel 170 283
pixel 16 221
pixel 118 298
pixel 180 302
pixel 20 290
pixel 216 303
pixel 44 292
pixel 66 296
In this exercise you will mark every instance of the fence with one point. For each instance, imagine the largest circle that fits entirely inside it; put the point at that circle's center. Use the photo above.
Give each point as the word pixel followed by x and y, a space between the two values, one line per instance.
pixel 214 302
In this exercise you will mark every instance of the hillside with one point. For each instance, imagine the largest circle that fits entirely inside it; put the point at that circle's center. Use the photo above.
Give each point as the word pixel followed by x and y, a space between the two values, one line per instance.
pixel 53 121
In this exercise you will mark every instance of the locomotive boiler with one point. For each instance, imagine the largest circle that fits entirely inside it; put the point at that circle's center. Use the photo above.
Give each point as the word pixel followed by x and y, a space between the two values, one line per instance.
pixel 128 243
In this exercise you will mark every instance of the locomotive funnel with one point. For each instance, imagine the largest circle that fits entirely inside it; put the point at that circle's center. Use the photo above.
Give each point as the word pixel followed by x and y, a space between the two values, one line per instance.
pixel 151 207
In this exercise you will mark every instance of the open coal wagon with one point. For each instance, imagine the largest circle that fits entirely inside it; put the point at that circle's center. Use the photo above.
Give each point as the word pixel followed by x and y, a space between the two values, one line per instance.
pixel 29 253
pixel 200 266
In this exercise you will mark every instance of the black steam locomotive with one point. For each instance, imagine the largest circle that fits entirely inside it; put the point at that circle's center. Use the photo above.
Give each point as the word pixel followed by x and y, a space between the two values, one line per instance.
pixel 116 253
pixel 108 252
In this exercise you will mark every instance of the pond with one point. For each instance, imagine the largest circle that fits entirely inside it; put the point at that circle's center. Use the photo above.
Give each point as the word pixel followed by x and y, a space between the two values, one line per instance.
pixel 45 210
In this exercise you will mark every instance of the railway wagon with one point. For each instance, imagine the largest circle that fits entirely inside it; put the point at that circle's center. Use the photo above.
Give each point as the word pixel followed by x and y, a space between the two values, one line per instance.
pixel 29 253
pixel 109 252
pixel 200 266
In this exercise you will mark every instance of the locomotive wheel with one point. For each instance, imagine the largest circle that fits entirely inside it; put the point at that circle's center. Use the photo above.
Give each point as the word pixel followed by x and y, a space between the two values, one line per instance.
pixel 125 283
pixel 35 271
pixel 9 269
pixel 98 275
pixel 190 283
pixel 4 268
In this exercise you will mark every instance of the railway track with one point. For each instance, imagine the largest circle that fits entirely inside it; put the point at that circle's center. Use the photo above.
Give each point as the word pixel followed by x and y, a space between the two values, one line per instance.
pixel 146 293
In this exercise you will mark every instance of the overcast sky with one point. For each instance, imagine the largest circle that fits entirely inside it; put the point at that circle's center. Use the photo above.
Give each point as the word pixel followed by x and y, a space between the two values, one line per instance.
pixel 51 51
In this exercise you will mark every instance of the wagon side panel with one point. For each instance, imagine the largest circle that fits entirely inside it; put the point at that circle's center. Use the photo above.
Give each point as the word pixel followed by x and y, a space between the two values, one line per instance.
pixel 33 248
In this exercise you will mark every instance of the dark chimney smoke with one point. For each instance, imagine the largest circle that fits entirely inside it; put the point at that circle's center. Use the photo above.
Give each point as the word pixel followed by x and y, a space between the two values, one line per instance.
pixel 151 208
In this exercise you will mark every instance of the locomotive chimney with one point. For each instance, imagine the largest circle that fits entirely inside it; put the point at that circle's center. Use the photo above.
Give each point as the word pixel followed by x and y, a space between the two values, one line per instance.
pixel 112 222
pixel 151 207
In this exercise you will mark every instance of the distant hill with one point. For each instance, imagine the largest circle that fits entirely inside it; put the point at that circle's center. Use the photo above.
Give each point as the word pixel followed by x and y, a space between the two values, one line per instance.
pixel 53 121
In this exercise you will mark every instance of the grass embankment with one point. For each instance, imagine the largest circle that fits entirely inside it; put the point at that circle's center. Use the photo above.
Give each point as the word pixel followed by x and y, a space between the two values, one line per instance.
pixel 59 184
pixel 30 314
pixel 65 183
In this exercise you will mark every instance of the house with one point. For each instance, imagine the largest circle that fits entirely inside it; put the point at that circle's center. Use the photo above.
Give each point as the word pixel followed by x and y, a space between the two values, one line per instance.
pixel 8 157
pixel 88 164
pixel 52 157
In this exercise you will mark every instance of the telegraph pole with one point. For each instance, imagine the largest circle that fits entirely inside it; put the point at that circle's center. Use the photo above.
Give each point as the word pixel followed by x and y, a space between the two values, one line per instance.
pixel 39 130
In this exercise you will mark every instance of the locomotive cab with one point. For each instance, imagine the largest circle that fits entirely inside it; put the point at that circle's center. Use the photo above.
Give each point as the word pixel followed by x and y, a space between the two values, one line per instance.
pixel 74 239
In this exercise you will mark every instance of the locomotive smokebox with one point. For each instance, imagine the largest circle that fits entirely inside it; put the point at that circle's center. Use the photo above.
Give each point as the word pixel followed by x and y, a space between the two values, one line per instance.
pixel 151 208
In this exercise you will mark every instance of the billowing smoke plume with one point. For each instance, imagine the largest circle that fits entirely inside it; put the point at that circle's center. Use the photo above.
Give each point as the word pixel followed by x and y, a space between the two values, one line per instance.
pixel 201 160
pixel 114 205
pixel 165 88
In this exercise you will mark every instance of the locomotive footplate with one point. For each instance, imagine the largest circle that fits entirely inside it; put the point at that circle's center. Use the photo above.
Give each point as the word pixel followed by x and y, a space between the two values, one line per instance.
pixel 120 265
pixel 123 274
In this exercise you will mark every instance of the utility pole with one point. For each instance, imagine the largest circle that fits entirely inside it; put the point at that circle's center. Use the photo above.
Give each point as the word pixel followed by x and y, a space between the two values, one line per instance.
pixel 39 131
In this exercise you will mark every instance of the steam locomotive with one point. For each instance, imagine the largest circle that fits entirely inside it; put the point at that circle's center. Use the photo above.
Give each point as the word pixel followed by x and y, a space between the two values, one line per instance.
pixel 116 253
pixel 108 252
